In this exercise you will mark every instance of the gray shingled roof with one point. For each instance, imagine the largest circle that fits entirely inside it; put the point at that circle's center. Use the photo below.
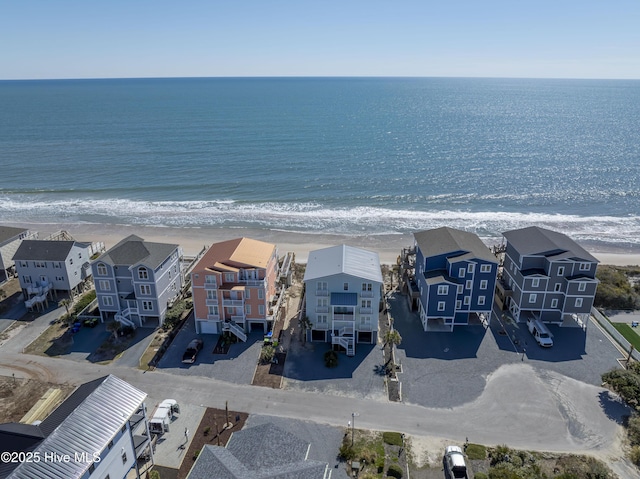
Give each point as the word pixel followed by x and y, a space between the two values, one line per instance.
pixel 544 242
pixel 260 452
pixel 9 232
pixel 445 240
pixel 134 250
pixel 357 262
pixel 89 427
pixel 43 250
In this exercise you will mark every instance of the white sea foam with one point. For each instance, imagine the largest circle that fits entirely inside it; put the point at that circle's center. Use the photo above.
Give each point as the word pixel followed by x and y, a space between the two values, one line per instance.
pixel 316 218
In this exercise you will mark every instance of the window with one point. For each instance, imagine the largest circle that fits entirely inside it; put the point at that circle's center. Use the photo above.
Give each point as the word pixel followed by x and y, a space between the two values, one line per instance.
pixel 443 289
pixel 143 273
pixel 467 300
pixel 367 287
pixel 247 309
pixel 322 319
pixel 145 289
pixel 485 268
pixel 345 286
pixel 40 264
pixel 102 269
pixel 321 286
pixel 471 267
pixel 533 298
pixel 483 284
pixel 458 304
pixel 110 445
pixel 322 302
pixel 209 278
pixel 585 266
pixel 481 300
pixel 460 289
pixel 212 294
pixel 213 310
pixel 70 260
pixel 462 272
pixel 261 294
pixel 365 303
pixel 79 255
pixel 104 285
pixel 261 309
pixel 557 287
pixel 578 302
pixel 582 286
pixel 535 282
pixel 124 456
pixel 107 301
pixel 26 279
pixel 561 271
pixel 468 284
pixel 92 467
pixel 365 319
pixel 554 303
pixel 441 305
pixel 247 293
pixel 147 306
pixel 57 265
pixel 229 277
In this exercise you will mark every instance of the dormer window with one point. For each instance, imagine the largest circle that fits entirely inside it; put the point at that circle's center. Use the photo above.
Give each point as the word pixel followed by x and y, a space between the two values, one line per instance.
pixel 143 273
pixel 102 269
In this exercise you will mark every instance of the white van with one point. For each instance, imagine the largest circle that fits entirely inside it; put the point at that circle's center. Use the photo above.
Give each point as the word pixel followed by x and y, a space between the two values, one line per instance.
pixel 540 331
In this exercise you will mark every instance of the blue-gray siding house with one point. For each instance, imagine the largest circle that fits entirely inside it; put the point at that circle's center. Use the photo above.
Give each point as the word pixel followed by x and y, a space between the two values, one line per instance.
pixel 136 280
pixel 548 276
pixel 456 275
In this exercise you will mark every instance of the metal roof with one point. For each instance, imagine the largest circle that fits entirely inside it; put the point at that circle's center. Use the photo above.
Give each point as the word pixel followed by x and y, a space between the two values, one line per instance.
pixel 134 250
pixel 88 428
pixel 345 259
pixel 344 299
pixel 235 254
pixel 441 241
pixel 543 242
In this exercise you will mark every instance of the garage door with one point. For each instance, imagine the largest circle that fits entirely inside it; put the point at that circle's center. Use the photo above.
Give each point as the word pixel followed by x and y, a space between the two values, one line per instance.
pixel 208 327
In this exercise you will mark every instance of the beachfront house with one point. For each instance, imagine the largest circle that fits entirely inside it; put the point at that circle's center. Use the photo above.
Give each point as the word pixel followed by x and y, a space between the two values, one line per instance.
pixel 10 240
pixel 456 275
pixel 47 267
pixel 137 280
pixel 343 287
pixel 264 451
pixel 548 276
pixel 102 428
pixel 234 288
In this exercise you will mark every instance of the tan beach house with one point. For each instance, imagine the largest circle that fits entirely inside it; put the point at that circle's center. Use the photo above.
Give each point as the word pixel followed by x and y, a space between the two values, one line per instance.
pixel 234 287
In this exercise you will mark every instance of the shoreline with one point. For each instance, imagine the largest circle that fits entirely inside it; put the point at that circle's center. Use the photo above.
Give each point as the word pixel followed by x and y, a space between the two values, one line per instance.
pixel 193 239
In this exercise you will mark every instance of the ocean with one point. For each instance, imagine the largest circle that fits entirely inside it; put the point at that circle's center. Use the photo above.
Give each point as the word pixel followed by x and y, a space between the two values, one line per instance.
pixel 345 156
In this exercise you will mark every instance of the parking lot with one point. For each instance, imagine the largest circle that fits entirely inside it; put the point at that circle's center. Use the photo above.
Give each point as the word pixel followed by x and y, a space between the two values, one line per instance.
pixel 451 368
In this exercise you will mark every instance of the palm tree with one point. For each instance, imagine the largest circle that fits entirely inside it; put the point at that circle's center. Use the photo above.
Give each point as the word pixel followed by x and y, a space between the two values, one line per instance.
pixel 392 338
pixel 305 325
pixel 66 303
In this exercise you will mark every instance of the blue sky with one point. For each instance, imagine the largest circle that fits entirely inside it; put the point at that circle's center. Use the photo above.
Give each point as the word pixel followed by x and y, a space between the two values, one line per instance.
pixel 491 38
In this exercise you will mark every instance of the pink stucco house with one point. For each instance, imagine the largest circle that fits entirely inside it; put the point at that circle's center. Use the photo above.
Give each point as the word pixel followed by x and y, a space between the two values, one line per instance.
pixel 234 287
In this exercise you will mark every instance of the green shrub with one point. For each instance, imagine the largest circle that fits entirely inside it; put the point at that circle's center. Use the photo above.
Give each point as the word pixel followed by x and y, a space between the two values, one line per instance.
pixel 266 354
pixel 476 452
pixel 154 475
pixel 626 383
pixel 634 455
pixel 331 359
pixel 395 471
pixel 347 452
pixel 84 301
pixel 196 454
pixel 481 475
pixel 392 438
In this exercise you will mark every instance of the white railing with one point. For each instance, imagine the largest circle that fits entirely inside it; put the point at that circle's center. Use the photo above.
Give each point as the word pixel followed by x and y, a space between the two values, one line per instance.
pixel 211 302
pixel 321 326
pixel 343 317
pixel 238 319
pixel 365 327
pixel 232 302
pixel 366 310
pixel 210 285
pixel 253 282
pixel 213 317
pixel 322 309
pixel 235 329
pixel 366 294
pixel 322 292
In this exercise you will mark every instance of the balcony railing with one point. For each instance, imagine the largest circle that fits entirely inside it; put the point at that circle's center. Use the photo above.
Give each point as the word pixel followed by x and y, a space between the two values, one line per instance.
pixel 211 301
pixel 232 302
pixel 365 327
pixel 322 292
pixel 321 326
pixel 322 309
pixel 366 294
pixel 213 317
pixel 366 310
pixel 210 285
pixel 343 317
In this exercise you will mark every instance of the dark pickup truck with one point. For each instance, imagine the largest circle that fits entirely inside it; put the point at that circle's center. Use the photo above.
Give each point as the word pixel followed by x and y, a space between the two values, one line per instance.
pixel 192 351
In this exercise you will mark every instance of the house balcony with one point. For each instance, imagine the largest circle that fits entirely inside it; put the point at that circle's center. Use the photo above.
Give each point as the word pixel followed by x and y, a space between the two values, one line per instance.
pixel 211 302
pixel 213 317
pixel 366 294
pixel 322 309
pixel 366 310
pixel 238 319
pixel 367 327
pixel 253 282
pixel 321 326
pixel 210 285
pixel 232 303
pixel 322 292
pixel 343 317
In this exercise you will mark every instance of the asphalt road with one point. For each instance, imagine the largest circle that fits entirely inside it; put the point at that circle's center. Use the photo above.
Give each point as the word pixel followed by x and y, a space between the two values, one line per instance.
pixel 519 405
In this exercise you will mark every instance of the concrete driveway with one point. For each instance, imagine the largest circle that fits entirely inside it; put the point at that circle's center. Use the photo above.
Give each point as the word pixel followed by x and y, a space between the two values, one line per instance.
pixel 237 366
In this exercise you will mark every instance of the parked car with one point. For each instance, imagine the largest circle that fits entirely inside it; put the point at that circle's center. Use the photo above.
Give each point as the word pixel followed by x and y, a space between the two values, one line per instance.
pixel 192 351
pixel 540 332
pixel 455 463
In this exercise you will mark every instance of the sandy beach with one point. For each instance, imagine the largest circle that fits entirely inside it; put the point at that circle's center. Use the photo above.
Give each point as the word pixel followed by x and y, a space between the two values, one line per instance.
pixel 193 240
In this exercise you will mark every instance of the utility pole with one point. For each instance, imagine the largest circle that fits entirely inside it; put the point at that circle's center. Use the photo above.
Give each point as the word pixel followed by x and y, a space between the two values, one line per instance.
pixel 353 426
